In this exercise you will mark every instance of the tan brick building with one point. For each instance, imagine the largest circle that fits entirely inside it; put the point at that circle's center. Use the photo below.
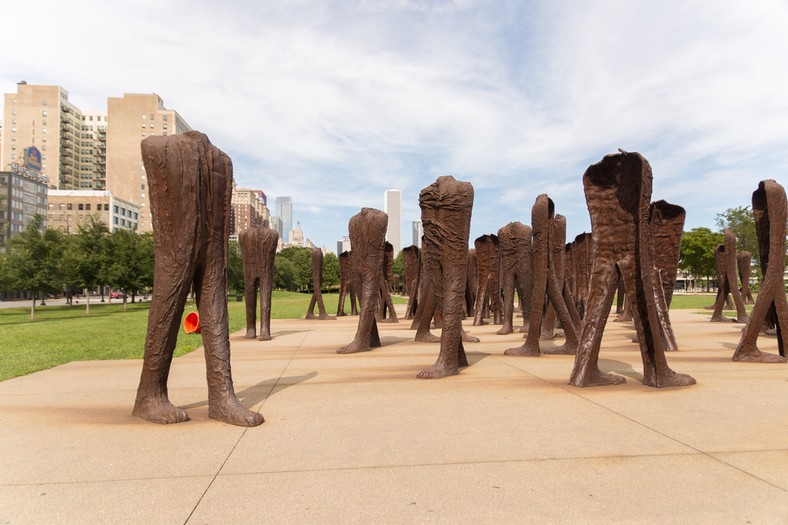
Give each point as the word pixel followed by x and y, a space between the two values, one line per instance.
pixel 67 210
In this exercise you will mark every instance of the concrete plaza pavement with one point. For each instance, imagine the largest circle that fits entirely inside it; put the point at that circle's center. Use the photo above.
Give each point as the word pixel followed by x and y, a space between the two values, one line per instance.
pixel 359 439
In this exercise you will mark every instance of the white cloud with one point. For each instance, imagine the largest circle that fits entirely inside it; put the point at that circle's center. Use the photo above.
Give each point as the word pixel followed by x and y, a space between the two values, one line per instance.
pixel 332 103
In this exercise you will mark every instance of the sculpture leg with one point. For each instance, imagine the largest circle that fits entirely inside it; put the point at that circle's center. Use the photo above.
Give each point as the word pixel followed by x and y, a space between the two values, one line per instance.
pixel 251 284
pixel 508 303
pixel 266 289
pixel 604 282
pixel 170 290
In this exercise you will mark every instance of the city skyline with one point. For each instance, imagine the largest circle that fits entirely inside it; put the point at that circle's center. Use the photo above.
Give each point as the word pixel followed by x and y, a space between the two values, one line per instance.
pixel 339 102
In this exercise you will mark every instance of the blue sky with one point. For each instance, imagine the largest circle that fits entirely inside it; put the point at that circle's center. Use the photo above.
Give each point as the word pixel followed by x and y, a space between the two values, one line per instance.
pixel 332 103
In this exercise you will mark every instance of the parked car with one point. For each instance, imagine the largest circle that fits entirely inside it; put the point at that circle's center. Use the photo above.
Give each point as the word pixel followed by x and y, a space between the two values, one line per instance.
pixel 117 295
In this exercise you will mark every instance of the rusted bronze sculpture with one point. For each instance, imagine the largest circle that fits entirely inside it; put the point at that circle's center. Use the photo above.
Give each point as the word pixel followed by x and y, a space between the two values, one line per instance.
pixel 346 290
pixel 471 282
pixel 386 312
pixel 446 208
pixel 728 272
pixel 666 223
pixel 514 242
pixel 556 265
pixel 618 194
pixel 769 208
pixel 189 185
pixel 581 257
pixel 258 250
pixel 545 285
pixel 488 294
pixel 744 261
pixel 411 259
pixel 317 293
pixel 367 236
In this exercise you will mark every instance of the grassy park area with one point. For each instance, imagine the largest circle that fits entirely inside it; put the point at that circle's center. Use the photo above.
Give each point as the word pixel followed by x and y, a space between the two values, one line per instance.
pixel 61 334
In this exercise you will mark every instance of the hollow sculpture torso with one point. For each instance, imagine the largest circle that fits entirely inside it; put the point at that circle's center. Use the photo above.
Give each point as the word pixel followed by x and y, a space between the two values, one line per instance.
pixel 743 261
pixel 544 286
pixel 367 236
pixel 346 285
pixel 258 250
pixel 446 206
pixel 769 208
pixel 411 259
pixel 317 284
pixel 189 186
pixel 556 265
pixel 618 194
pixel 728 276
pixel 488 291
pixel 514 243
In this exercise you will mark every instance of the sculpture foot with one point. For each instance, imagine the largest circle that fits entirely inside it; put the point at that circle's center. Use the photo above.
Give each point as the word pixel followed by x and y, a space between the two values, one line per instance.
pixel 310 315
pixel 564 349
pixel 341 314
pixel 596 378
pixel 669 378
pixel 722 319
pixel 326 317
pixel 389 320
pixel 427 337
pixel 547 335
pixel 264 337
pixel 250 333
pixel 505 329
pixel 437 371
pixel 159 410
pixel 524 350
pixel 468 338
pixel 229 410
pixel 354 348
pixel 743 319
pixel 751 354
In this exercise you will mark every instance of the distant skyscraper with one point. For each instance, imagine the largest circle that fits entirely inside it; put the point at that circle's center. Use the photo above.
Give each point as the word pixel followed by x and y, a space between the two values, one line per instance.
pixel 392 205
pixel 418 231
pixel 284 210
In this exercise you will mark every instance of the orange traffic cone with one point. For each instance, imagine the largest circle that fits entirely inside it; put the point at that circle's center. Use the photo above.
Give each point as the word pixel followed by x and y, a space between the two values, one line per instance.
pixel 191 324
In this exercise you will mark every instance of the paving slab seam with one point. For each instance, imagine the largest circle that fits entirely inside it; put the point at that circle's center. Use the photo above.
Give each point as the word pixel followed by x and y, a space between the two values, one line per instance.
pixel 106 480
pixel 472 463
pixel 241 436
pixel 574 391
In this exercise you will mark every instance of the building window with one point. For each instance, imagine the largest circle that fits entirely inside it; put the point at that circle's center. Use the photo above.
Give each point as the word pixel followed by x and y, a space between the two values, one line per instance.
pixel 43 113
pixel 106 207
pixel 81 207
pixel 115 208
pixel 87 207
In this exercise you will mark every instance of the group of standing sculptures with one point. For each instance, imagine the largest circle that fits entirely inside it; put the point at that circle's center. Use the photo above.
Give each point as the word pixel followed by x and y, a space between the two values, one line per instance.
pixel 633 249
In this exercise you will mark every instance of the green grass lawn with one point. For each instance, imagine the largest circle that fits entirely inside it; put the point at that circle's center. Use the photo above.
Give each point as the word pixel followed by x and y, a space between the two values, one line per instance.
pixel 61 334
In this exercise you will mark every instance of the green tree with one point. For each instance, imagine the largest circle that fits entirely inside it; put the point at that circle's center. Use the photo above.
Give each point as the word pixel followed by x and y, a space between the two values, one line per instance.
pixel 86 257
pixel 284 273
pixel 301 260
pixel 742 222
pixel 131 263
pixel 235 268
pixel 697 253
pixel 33 260
pixel 398 266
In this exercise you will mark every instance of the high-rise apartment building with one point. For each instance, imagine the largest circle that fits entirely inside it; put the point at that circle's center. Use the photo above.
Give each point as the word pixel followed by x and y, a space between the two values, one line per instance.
pixel 418 232
pixel 130 119
pixel 284 210
pixel 392 205
pixel 248 209
pixel 93 150
pixel 23 194
pixel 70 209
pixel 42 116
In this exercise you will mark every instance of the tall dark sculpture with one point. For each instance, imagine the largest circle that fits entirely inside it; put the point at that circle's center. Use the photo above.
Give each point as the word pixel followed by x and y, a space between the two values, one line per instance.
pixel 346 290
pixel 728 281
pixel 666 223
pixel 514 242
pixel 744 261
pixel 189 184
pixel 618 194
pixel 556 265
pixel 317 294
pixel 386 312
pixel 471 282
pixel 367 236
pixel 581 256
pixel 258 251
pixel 769 208
pixel 446 206
pixel 545 285
pixel 488 293
pixel 411 259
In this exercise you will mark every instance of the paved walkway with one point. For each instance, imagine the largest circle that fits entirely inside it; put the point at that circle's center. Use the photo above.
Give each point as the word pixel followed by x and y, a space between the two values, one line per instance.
pixel 358 439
